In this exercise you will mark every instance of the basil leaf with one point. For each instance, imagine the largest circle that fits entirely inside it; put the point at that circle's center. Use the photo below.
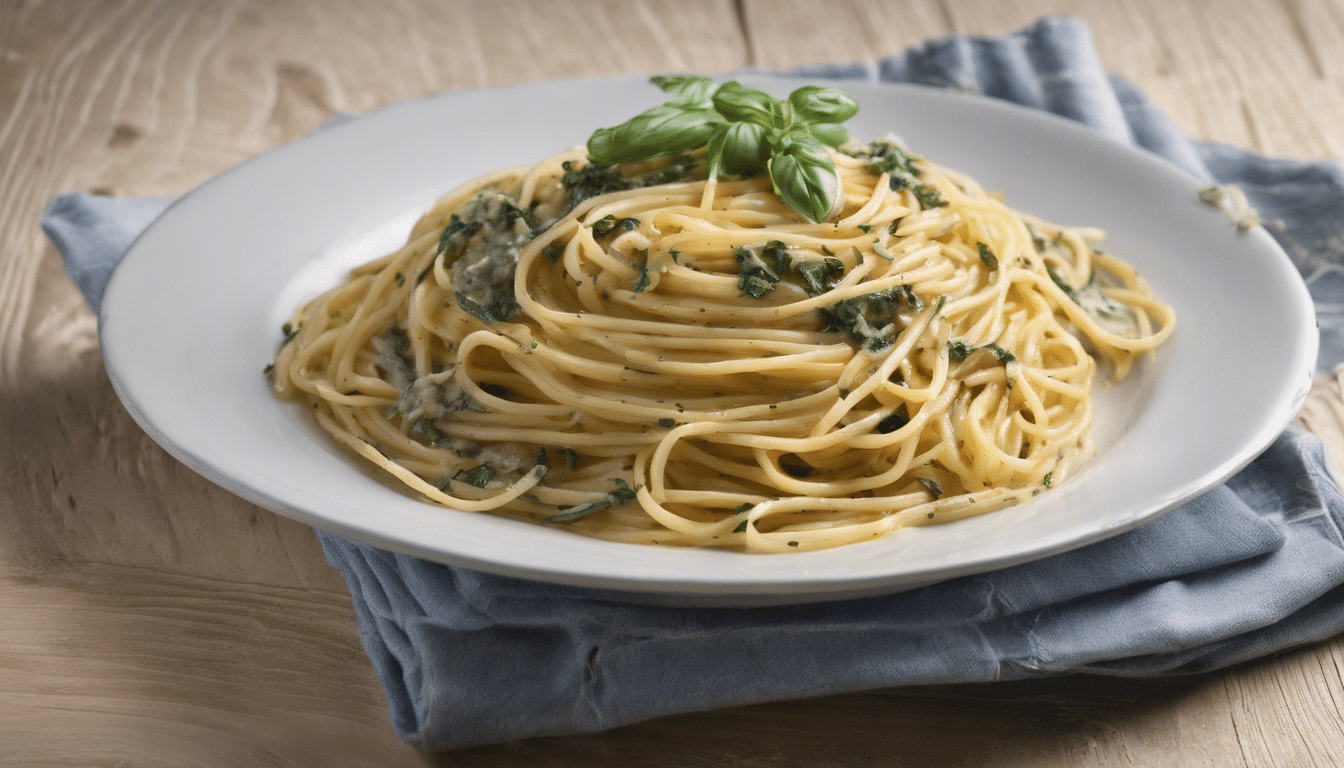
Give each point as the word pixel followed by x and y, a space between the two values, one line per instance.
pixel 686 90
pixel 798 139
pixel 745 151
pixel 664 130
pixel 805 181
pixel 830 135
pixel 714 150
pixel 737 102
pixel 815 104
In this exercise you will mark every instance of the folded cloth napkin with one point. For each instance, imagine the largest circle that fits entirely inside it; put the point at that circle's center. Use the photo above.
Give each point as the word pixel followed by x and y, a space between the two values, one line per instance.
pixel 1250 568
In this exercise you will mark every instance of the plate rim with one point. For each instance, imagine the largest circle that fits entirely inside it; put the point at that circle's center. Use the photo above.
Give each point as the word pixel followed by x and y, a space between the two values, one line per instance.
pixel 691 589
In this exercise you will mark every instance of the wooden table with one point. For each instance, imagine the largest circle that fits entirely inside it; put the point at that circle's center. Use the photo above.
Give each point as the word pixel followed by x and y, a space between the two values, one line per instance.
pixel 152 619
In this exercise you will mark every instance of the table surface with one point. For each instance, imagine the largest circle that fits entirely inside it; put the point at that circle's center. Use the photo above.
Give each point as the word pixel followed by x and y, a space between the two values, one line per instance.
pixel 152 619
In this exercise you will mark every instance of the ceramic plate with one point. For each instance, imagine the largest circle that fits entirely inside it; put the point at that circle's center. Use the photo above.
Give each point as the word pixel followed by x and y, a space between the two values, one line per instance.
pixel 193 313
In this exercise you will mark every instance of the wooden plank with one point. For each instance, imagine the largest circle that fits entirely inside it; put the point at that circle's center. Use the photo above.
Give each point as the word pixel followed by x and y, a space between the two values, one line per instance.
pixel 154 619
pixel 1222 69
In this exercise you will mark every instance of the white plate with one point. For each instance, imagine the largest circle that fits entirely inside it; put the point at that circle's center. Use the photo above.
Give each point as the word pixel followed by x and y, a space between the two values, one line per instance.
pixel 192 315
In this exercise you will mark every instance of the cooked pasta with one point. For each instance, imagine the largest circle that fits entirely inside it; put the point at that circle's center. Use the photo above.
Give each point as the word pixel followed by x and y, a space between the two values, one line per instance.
pixel 639 354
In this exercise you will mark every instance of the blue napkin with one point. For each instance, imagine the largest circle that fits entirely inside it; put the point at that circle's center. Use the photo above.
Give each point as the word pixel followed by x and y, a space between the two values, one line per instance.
pixel 1248 569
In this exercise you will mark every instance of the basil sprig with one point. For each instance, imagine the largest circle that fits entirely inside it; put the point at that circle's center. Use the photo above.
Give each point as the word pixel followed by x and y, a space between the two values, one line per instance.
pixel 745 133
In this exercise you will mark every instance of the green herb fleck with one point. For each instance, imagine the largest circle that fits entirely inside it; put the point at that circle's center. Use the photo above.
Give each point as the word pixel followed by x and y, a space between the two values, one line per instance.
pixel 928 196
pixel 987 256
pixel 819 275
pixel 622 495
pixel 642 283
pixel 571 458
pixel 667 422
pixel 932 486
pixel 479 475
pixel 758 272
pixel 959 350
pixel 895 420
pixel 497 311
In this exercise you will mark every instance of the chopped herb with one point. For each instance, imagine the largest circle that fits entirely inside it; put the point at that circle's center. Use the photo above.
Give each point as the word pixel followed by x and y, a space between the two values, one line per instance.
pixel 1059 281
pixel 553 252
pixel 987 256
pixel 794 466
pixel 1036 240
pixel 591 180
pixel 819 275
pixel 642 283
pixel 1048 479
pixel 401 279
pixel 627 224
pixel 959 350
pixel 757 273
pixel 844 393
pixel 571 458
pixel 622 495
pixel 675 254
pixel 911 298
pixel 667 422
pixel 498 311
pixel 290 331
pixel 540 456
pixel 886 156
pixel 479 475
pixel 431 433
pixel 865 227
pixel 939 306
pixel 604 225
pixel 573 513
pixel 793 543
pixel 928 197
pixel 895 225
pixel 623 492
pixel 895 420
pixel 932 486
pixel 869 320
pixel 269 367
pixel 753 286
pixel 456 227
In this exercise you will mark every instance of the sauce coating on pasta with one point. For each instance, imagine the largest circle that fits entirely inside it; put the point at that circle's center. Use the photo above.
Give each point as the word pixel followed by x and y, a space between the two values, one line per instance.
pixel 638 354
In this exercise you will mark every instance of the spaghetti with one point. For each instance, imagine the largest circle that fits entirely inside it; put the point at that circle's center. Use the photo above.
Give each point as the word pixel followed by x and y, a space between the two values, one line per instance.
pixel 639 354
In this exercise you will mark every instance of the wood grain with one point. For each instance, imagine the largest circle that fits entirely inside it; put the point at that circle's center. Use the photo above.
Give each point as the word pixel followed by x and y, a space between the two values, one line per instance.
pixel 153 619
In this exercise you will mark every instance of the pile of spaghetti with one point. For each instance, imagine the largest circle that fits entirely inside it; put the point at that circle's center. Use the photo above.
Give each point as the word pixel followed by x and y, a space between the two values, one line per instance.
pixel 639 354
